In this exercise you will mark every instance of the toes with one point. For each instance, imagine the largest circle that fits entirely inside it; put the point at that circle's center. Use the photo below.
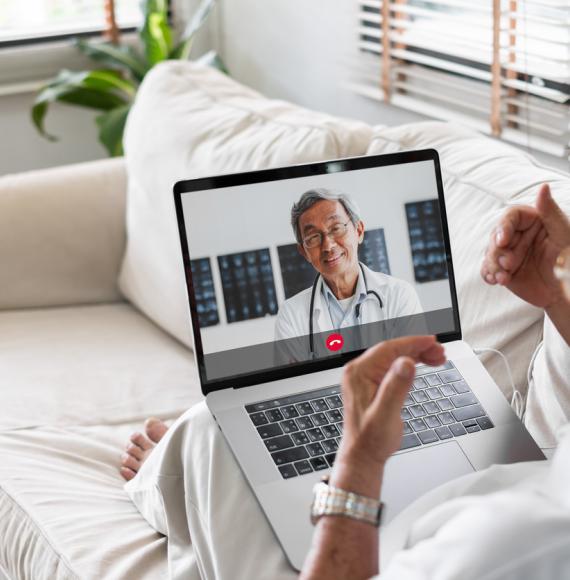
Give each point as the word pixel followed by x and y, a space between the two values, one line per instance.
pixel 135 451
pixel 155 429
pixel 127 473
pixel 142 441
pixel 130 462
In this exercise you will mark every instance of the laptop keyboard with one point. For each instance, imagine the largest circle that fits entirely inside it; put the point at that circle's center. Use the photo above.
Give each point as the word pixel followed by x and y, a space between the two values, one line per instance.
pixel 302 432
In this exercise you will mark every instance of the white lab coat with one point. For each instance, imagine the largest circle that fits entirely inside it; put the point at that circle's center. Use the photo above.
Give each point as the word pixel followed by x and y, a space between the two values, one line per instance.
pixel 399 298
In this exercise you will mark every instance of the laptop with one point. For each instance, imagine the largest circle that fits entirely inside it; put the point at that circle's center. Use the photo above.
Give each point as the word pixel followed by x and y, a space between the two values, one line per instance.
pixel 277 397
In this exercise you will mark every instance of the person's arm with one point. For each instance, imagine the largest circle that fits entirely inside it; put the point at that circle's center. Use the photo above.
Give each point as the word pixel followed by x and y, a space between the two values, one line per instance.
pixel 559 314
pixel 522 252
pixel 374 387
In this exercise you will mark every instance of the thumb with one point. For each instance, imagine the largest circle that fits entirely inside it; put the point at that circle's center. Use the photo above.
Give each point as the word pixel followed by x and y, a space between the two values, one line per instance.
pixel 555 221
pixel 395 386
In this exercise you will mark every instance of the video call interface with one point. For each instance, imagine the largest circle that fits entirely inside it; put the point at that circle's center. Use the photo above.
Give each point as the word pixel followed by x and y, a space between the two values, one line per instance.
pixel 371 265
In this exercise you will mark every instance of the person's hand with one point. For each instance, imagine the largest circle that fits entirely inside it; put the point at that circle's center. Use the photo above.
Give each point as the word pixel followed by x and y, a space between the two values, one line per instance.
pixel 523 249
pixel 374 387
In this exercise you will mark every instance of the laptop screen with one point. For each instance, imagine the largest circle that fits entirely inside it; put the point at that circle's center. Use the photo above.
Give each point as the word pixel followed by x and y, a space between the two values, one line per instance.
pixel 299 269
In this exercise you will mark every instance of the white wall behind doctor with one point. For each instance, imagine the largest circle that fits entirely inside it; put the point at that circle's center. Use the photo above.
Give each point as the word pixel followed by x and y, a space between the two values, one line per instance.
pixel 239 219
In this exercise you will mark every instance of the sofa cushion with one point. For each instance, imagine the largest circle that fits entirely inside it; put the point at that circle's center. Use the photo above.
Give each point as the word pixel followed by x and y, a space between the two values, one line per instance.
pixel 191 121
pixel 63 511
pixel 90 365
pixel 62 235
pixel 481 177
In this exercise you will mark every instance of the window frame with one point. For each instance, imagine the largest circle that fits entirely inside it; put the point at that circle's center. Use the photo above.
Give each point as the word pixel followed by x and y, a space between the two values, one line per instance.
pixel 376 22
pixel 28 64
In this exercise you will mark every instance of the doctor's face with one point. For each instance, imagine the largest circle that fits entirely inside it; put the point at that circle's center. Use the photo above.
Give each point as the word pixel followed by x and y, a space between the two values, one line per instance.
pixel 334 256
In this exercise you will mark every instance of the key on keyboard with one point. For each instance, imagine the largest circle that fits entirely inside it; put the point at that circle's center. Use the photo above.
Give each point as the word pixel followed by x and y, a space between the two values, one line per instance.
pixel 302 432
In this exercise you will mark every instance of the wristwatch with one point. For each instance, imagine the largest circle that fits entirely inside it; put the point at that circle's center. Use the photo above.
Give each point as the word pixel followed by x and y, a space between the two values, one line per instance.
pixel 333 501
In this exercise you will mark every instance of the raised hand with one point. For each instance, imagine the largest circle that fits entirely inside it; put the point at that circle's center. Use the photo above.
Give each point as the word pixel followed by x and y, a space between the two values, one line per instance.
pixel 523 249
pixel 374 387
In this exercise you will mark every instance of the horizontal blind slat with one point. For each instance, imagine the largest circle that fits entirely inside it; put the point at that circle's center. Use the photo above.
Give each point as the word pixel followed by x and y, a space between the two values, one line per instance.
pixel 544 92
pixel 19 22
pixel 439 57
pixel 534 125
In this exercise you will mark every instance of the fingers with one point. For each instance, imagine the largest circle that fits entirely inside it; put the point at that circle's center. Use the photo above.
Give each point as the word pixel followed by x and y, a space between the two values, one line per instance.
pixel 371 366
pixel 384 354
pixel 509 244
pixel 394 387
pixel 555 221
pixel 515 219
pixel 363 375
pixel 515 234
pixel 435 355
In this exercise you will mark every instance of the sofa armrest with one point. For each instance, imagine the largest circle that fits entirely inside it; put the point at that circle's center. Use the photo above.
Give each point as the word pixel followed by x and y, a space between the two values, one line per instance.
pixel 62 235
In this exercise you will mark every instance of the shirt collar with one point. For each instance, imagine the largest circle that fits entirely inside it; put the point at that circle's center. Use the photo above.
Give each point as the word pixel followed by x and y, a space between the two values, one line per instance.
pixel 359 292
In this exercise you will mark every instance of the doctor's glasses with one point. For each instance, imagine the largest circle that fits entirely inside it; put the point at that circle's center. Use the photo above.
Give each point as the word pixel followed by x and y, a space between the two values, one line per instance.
pixel 336 232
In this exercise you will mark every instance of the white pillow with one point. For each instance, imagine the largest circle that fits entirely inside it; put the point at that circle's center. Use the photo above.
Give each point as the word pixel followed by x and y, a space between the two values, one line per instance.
pixel 192 121
pixel 481 177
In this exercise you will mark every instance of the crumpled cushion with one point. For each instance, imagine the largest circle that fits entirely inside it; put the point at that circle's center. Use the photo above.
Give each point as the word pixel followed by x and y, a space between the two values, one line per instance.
pixel 192 121
pixel 62 235
pixel 483 176
pixel 64 513
pixel 90 365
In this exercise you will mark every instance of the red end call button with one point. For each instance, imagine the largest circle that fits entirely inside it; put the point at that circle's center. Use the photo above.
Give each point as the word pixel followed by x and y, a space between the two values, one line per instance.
pixel 335 342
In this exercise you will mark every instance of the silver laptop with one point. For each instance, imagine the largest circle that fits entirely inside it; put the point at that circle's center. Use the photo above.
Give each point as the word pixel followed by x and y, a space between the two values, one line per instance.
pixel 270 356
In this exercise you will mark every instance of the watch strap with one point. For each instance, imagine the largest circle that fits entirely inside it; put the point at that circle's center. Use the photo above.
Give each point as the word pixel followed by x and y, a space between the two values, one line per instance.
pixel 334 501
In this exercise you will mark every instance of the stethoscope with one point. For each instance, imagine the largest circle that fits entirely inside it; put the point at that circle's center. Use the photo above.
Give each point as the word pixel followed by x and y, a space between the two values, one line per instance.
pixel 357 309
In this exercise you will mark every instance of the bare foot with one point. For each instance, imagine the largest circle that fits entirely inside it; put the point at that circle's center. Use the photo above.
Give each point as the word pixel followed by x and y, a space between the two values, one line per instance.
pixel 141 446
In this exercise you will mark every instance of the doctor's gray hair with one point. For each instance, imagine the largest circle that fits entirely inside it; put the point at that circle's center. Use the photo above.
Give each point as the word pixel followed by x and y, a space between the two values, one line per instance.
pixel 313 196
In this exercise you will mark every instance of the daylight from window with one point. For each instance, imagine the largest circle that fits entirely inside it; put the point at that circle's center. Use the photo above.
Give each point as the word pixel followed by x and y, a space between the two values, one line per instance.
pixel 37 19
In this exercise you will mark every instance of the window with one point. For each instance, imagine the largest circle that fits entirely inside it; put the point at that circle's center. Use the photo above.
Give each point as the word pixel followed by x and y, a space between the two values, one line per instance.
pixel 501 66
pixel 36 20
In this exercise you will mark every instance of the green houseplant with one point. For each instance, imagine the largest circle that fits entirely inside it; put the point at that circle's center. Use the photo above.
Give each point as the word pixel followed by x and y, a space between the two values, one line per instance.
pixel 112 89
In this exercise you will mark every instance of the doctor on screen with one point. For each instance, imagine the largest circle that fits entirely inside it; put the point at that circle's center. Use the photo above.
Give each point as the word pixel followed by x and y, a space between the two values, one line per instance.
pixel 345 293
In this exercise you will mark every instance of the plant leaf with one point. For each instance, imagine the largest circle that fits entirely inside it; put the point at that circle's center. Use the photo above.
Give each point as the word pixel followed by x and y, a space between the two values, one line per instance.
pixel 85 89
pixel 212 58
pixel 198 19
pixel 184 47
pixel 182 50
pixel 111 129
pixel 156 34
pixel 105 80
pixel 122 57
pixel 39 111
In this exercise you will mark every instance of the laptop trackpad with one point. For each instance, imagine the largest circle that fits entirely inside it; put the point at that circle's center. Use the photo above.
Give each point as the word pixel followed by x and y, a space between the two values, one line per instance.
pixel 410 475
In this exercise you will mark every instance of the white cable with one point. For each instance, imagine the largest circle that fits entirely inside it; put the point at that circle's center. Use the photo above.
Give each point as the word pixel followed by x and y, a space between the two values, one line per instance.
pixel 517 401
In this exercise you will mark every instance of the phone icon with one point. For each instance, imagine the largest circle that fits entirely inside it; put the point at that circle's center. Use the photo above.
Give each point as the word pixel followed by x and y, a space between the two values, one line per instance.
pixel 335 342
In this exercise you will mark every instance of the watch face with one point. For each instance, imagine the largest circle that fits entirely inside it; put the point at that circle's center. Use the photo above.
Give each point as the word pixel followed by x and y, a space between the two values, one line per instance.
pixel 320 495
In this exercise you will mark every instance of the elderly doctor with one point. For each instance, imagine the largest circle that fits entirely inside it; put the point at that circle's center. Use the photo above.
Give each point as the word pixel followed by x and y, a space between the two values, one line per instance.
pixel 345 293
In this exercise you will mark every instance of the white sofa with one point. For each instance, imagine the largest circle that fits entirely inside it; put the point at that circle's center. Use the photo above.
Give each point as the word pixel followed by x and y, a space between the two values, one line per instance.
pixel 94 331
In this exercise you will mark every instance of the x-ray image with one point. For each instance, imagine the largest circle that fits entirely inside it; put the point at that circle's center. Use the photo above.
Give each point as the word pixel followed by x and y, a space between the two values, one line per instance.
pixel 426 240
pixel 205 292
pixel 248 285
pixel 373 252
pixel 296 272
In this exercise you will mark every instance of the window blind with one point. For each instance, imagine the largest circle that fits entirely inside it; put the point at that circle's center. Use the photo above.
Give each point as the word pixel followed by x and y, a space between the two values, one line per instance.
pixel 501 66
pixel 36 20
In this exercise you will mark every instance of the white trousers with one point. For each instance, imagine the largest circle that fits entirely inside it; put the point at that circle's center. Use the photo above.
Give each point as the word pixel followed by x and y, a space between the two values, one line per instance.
pixel 192 490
